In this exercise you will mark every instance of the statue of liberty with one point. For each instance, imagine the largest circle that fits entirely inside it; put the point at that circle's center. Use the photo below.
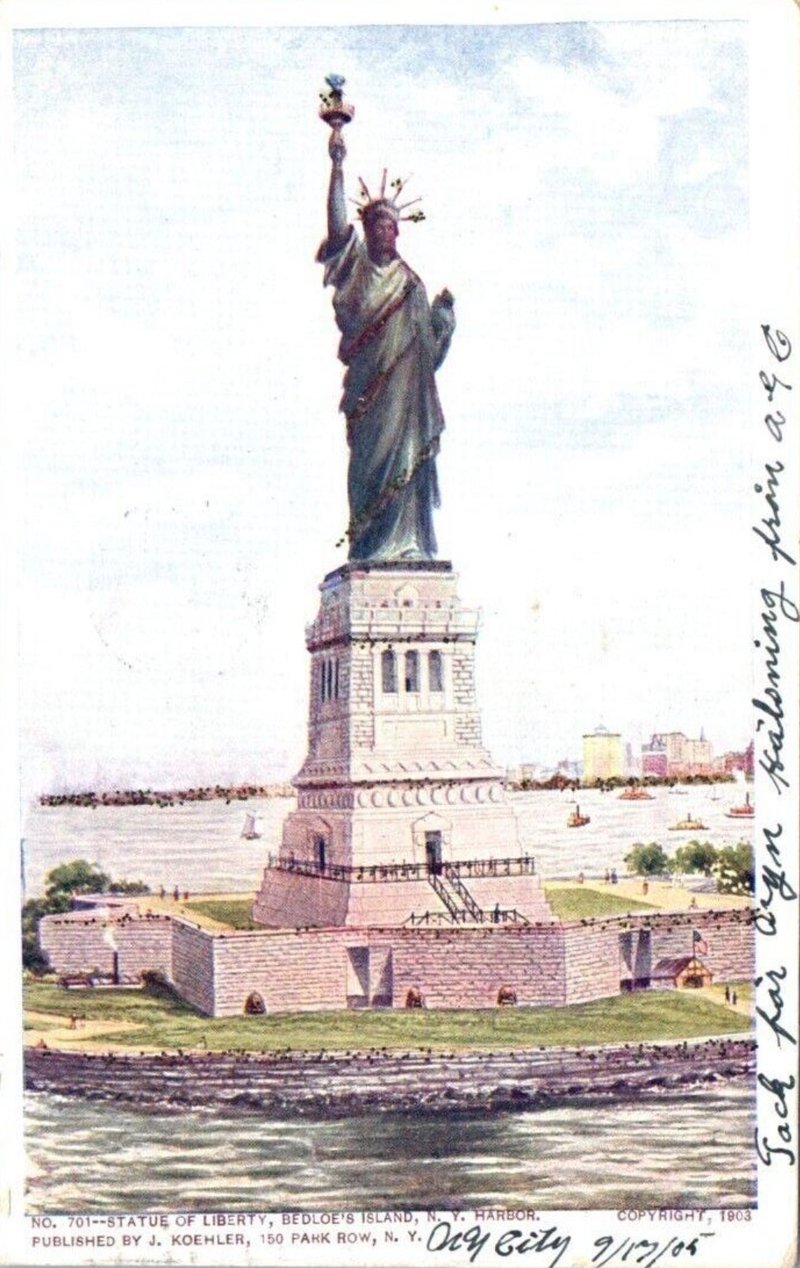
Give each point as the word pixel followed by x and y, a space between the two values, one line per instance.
pixel 393 341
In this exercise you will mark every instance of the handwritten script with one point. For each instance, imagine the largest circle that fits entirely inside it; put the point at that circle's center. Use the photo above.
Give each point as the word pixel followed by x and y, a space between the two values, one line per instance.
pixel 550 1243
pixel 775 892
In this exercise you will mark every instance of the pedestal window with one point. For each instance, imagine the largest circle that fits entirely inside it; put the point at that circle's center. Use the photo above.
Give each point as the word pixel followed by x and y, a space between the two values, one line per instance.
pixel 388 671
pixel 412 671
pixel 435 672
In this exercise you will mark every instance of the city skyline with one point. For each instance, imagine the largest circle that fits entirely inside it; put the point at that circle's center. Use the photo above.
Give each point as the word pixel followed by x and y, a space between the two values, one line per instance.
pixel 183 464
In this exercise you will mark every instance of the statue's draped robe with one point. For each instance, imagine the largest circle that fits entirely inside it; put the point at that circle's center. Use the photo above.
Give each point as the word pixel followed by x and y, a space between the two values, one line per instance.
pixel 394 419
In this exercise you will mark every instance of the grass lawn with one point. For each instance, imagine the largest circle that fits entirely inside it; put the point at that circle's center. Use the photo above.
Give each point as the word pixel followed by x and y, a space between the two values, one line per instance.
pixel 233 912
pixel 163 1022
pixel 745 993
pixel 569 902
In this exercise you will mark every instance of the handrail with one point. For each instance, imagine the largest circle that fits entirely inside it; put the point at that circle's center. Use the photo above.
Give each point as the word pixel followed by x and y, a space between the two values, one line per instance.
pixel 462 891
pixel 504 916
pixel 472 869
pixel 447 898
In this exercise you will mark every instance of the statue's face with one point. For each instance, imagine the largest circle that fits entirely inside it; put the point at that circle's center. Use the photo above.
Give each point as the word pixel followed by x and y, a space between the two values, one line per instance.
pixel 381 235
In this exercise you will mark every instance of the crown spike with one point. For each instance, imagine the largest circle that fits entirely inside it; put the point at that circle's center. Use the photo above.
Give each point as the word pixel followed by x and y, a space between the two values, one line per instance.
pixel 389 201
pixel 399 185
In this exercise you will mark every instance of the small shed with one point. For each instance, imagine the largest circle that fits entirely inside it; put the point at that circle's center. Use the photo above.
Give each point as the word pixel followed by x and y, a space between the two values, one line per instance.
pixel 679 972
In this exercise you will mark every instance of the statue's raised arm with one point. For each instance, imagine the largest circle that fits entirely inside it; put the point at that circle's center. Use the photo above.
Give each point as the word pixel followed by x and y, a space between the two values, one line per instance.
pixel 338 226
pixel 336 112
pixel 392 343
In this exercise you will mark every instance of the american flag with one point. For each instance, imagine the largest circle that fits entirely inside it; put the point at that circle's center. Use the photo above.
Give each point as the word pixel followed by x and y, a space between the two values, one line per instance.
pixel 699 944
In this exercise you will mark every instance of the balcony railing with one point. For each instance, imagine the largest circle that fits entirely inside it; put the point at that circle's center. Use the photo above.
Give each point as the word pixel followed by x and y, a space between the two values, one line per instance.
pixel 495 916
pixel 461 869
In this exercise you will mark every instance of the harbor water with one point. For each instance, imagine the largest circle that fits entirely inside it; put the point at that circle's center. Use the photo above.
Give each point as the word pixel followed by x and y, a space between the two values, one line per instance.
pixel 693 1149
pixel 198 845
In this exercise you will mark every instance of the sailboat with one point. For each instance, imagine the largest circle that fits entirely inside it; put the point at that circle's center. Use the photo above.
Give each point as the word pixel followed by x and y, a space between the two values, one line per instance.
pixel 249 830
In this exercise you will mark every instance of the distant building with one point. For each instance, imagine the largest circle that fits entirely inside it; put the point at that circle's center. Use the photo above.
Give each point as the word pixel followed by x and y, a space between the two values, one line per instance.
pixel 538 773
pixel 603 755
pixel 740 761
pixel 654 757
pixel 671 755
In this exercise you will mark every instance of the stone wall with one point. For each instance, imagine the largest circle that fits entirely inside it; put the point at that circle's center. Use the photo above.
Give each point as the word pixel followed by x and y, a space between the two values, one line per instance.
pixel 592 964
pixel 293 1086
pixel 292 900
pixel 193 966
pixel 291 972
pixel 296 972
pixel 361 691
pixel 391 903
pixel 468 718
pixel 289 900
pixel 731 947
pixel 466 968
pixel 339 967
pixel 523 893
pixel 75 943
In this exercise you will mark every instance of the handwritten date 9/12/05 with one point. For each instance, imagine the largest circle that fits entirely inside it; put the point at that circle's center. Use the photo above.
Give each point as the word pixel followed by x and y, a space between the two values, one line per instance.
pixel 608 1251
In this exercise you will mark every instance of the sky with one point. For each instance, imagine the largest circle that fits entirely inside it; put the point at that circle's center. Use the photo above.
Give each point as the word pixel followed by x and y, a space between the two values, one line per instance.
pixel 182 461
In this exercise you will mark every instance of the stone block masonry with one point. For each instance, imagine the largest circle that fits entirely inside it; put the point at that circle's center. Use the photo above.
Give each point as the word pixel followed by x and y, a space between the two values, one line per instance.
pixel 376 966
pixel 294 901
pixel 467 968
pixel 731 947
pixel 194 974
pixel 591 964
pixel 451 968
pixel 395 759
pixel 327 1085
pixel 78 943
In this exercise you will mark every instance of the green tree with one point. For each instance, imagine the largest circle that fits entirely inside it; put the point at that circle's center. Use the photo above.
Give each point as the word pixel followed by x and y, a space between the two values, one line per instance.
pixel 696 856
pixel 647 860
pixel 78 877
pixel 33 957
pixel 735 869
pixel 128 887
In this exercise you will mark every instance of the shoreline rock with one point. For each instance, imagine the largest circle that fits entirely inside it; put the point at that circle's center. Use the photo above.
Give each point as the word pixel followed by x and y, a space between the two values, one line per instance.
pixel 336 1085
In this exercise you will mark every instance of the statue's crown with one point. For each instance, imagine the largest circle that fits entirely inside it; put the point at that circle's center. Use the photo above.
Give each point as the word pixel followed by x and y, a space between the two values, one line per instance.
pixel 386 204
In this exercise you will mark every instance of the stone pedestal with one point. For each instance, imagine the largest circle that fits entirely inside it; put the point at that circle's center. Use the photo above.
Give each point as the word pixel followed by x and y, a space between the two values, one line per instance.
pixel 396 776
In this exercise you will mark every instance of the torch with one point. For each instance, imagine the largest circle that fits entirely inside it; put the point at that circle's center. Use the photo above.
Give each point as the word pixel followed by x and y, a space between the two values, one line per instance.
pixel 335 110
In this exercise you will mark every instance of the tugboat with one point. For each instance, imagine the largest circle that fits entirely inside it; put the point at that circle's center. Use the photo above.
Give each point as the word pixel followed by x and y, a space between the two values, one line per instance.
pixel 747 811
pixel 636 794
pixel 249 830
pixel 576 819
pixel 689 825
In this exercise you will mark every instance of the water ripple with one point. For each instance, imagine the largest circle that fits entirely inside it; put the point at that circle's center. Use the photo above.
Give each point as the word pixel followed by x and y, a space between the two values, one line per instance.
pixel 659 1152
